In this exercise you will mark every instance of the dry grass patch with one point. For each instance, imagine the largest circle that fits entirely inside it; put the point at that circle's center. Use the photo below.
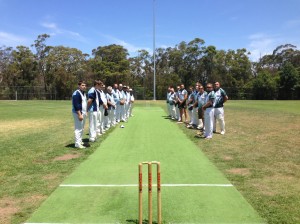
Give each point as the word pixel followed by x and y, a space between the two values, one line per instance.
pixel 33 199
pixel 264 189
pixel 11 128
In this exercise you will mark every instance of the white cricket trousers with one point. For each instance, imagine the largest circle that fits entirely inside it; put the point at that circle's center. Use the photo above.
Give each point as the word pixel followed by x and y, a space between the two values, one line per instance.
pixel 118 112
pixel 93 120
pixel 209 122
pixel 177 112
pixel 111 121
pixel 169 109
pixel 190 113
pixel 106 121
pixel 79 128
pixel 130 109
pixel 173 111
pixel 195 119
pixel 219 117
pixel 127 107
pixel 122 112
pixel 100 123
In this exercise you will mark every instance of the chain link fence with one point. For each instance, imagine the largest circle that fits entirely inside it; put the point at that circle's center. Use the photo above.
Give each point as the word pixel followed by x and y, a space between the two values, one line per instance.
pixel 26 93
pixel 140 93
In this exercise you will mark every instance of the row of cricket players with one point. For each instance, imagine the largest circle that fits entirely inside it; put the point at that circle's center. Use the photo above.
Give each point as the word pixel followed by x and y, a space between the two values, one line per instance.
pixel 104 108
pixel 205 107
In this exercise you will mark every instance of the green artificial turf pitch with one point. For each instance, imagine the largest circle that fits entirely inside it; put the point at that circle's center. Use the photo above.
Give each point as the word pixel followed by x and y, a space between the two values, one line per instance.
pixel 84 196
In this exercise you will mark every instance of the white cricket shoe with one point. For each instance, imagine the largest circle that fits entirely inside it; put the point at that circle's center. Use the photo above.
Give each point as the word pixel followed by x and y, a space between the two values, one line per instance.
pixel 80 146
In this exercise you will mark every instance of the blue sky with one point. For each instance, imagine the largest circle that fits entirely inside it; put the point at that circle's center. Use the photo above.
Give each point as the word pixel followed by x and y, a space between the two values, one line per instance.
pixel 257 25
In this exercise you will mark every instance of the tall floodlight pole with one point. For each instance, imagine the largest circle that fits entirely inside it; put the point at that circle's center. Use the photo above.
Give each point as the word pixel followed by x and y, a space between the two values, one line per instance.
pixel 154 67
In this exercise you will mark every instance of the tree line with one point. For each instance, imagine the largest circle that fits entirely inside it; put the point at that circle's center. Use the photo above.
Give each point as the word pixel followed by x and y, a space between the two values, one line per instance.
pixel 52 72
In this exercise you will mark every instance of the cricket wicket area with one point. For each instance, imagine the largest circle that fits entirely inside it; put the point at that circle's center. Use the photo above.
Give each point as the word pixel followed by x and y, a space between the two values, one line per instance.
pixel 149 192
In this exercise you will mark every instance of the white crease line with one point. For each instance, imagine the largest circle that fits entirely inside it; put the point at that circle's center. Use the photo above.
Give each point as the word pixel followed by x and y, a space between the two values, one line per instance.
pixel 136 185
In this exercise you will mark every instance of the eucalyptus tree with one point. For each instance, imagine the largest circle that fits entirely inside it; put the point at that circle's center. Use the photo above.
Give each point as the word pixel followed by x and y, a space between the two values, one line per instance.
pixel 25 66
pixel 110 63
pixel 222 68
pixel 195 52
pixel 239 72
pixel 281 54
pixel 41 54
pixel 177 63
pixel 284 53
pixel 289 82
pixel 165 73
pixel 6 59
pixel 65 67
pixel 263 86
pixel 209 65
pixel 141 69
pixel 284 62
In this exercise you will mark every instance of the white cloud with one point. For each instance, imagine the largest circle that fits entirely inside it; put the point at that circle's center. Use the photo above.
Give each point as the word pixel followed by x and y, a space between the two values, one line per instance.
pixel 11 40
pixel 132 49
pixel 261 44
pixel 58 31
pixel 50 25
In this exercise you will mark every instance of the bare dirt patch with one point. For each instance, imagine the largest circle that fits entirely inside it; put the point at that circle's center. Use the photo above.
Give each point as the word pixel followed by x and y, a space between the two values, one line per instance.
pixel 239 171
pixel 8 207
pixel 67 157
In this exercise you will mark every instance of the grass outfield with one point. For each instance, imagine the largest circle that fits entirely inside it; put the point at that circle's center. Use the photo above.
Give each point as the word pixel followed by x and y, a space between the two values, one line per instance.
pixel 259 154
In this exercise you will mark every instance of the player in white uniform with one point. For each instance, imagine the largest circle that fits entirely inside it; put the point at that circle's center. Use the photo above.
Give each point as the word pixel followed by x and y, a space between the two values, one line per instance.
pixel 111 121
pixel 168 103
pixel 127 102
pixel 176 103
pixel 102 107
pixel 79 111
pixel 209 111
pixel 201 101
pixel 221 98
pixel 195 117
pixel 190 103
pixel 172 102
pixel 131 102
pixel 121 103
pixel 182 97
pixel 116 94
pixel 93 107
